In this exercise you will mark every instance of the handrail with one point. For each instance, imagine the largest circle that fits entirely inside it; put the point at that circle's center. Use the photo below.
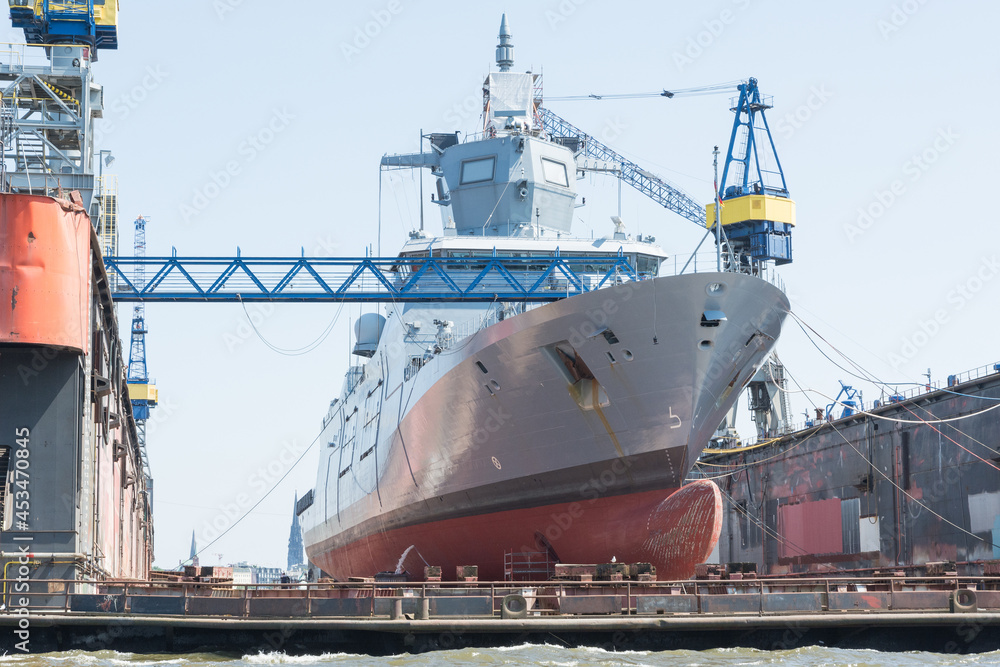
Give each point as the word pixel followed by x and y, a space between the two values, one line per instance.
pixel 796 429
pixel 547 597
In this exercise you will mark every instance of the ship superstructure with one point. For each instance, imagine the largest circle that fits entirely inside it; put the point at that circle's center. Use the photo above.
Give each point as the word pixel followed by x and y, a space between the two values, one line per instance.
pixel 474 430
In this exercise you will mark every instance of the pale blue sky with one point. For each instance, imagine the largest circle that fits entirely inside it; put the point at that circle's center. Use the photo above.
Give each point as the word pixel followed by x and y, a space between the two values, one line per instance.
pixel 869 96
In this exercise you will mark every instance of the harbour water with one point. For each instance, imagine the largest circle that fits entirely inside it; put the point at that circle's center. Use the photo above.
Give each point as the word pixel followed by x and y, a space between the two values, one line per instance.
pixel 545 655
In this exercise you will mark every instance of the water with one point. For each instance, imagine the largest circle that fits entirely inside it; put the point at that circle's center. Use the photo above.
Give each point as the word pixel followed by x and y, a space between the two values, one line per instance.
pixel 544 656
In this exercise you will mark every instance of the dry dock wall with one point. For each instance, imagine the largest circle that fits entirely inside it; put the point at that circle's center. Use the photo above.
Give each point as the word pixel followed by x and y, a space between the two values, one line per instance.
pixel 74 501
pixel 866 492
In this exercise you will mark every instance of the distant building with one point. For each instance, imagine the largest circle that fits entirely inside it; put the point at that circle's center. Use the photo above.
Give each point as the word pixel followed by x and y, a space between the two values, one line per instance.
pixel 194 550
pixel 296 555
pixel 244 574
pixel 268 575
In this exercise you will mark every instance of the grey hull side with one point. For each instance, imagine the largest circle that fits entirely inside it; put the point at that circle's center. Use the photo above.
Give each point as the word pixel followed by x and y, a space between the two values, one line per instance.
pixel 493 424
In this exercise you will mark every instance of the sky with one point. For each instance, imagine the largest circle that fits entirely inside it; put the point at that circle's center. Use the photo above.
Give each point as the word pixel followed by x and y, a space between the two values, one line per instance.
pixel 236 125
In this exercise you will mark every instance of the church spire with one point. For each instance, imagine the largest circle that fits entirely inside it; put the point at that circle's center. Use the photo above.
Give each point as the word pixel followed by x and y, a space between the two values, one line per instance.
pixel 194 550
pixel 295 550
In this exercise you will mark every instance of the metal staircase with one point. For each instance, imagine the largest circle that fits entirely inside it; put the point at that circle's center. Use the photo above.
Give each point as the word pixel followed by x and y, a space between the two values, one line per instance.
pixel 30 152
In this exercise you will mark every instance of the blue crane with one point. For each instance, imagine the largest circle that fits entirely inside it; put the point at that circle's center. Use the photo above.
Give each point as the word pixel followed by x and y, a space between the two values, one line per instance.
pixel 849 398
pixel 46 22
pixel 141 391
pixel 756 212
pixel 663 193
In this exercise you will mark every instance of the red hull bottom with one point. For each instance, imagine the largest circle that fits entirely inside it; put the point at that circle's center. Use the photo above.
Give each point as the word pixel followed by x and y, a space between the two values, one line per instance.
pixel 673 532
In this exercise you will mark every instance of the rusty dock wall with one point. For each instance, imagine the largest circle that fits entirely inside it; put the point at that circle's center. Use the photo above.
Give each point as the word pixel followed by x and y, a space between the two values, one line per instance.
pixel 896 488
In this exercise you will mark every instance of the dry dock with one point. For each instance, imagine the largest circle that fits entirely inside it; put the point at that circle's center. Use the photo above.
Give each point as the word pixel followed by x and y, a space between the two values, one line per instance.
pixel 941 615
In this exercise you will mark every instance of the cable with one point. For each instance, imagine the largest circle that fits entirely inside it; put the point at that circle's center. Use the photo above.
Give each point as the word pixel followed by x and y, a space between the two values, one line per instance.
pixel 955 442
pixel 925 422
pixel 893 483
pixel 262 498
pixel 763 526
pixel 712 89
pixel 205 507
pixel 858 411
pixel 871 376
pixel 763 444
pixel 296 352
pixel 380 211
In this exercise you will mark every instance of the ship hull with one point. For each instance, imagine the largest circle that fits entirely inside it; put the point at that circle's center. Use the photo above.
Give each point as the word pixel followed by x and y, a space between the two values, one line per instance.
pixel 501 425
pixel 676 532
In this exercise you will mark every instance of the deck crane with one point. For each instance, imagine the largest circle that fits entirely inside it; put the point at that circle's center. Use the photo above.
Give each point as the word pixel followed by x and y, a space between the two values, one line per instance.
pixel 757 214
pixel 755 209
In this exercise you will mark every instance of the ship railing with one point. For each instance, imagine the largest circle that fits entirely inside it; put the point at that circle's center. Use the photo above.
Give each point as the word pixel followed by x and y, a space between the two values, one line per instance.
pixel 886 400
pixel 473 326
pixel 974 374
pixel 355 376
pixel 893 589
pixel 707 262
pixel 13 57
pixel 468 328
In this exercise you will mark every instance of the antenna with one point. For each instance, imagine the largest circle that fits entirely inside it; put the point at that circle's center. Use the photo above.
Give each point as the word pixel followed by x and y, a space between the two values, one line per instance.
pixel 421 183
pixel 505 49
pixel 718 205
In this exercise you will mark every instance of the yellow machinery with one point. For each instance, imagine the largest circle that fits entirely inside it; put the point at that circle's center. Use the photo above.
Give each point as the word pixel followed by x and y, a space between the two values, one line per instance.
pixel 756 213
pixel 45 22
pixel 753 208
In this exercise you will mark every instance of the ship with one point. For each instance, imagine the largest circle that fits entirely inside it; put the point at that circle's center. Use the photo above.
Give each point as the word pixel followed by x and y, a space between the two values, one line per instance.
pixel 76 497
pixel 472 433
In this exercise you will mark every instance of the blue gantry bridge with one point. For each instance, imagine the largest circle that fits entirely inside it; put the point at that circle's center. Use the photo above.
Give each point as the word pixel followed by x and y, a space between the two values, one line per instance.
pixel 363 279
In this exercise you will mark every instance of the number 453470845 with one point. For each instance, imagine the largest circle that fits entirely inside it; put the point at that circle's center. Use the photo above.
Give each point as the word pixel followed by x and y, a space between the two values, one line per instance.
pixel 22 499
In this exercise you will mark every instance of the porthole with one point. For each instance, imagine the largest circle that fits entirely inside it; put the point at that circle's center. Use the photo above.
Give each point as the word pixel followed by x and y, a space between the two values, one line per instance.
pixel 481 367
pixel 628 355
pixel 705 345
pixel 495 384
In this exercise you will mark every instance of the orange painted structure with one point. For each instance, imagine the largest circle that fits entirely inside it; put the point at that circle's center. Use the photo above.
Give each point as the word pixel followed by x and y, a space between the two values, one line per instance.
pixel 44 272
pixel 67 433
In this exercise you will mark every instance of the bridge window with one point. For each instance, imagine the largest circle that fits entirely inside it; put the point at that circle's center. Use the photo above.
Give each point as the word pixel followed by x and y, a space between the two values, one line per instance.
pixel 647 265
pixel 479 170
pixel 555 172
